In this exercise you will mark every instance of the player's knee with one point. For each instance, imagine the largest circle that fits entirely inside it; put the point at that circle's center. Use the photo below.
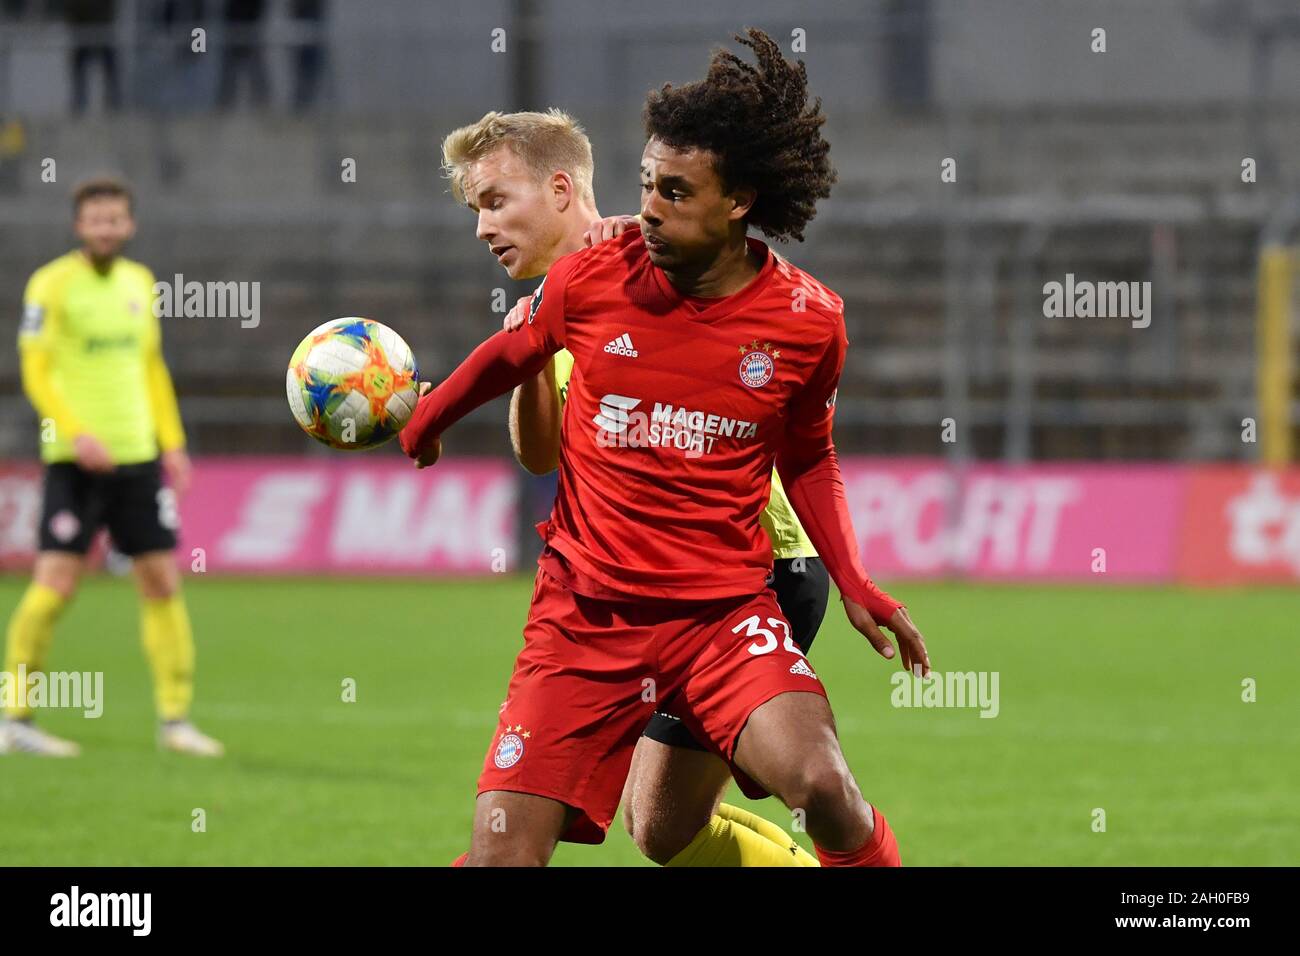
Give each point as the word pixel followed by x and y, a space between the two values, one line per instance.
pixel 660 837
pixel 65 586
pixel 159 589
pixel 506 857
pixel 822 788
pixel 498 851
pixel 157 578
pixel 61 577
pixel 660 845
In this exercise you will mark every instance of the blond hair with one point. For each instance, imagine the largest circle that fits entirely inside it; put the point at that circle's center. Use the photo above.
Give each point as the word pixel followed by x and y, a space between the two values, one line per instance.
pixel 544 142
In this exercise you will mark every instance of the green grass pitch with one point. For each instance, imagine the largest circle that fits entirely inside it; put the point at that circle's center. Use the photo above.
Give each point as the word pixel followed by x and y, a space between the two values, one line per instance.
pixel 1124 699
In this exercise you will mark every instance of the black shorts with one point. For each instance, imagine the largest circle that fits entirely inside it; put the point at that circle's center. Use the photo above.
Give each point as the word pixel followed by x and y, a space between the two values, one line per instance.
pixel 802 587
pixel 139 510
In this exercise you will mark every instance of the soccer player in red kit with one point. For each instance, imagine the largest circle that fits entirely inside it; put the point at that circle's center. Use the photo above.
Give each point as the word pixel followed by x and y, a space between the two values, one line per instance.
pixel 700 358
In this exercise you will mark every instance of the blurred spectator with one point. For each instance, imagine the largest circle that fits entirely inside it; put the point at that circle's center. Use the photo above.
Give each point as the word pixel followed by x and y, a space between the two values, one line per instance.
pixel 308 56
pixel 242 52
pixel 92 22
pixel 907 52
pixel 187 79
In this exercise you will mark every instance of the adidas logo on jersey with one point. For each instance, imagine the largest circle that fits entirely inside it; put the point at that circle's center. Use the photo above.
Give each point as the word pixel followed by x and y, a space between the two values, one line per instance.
pixel 801 667
pixel 622 346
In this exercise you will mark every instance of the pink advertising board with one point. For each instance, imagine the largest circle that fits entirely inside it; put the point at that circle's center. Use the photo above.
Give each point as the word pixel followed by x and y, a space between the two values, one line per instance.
pixel 915 518
pixel 297 515
pixel 20 510
pixel 384 516
pixel 923 518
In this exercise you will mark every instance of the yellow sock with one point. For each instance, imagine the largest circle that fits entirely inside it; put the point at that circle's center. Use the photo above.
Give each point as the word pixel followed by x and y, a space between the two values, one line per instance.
pixel 169 645
pixel 31 629
pixel 727 843
pixel 768 829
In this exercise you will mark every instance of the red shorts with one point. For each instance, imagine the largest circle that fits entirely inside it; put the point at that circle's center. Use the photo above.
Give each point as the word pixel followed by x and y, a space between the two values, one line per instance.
pixel 592 672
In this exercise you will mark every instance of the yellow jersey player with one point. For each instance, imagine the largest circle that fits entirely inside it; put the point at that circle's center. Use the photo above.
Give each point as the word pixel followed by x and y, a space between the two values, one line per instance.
pixel 528 177
pixel 93 368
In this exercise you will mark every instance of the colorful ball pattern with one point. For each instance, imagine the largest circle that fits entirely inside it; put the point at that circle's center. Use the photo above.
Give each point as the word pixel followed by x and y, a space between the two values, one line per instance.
pixel 352 383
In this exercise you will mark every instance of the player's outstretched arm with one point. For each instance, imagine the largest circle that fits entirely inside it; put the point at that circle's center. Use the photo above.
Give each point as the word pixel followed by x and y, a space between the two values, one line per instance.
pixel 810 472
pixel 601 230
pixel 816 492
pixel 535 406
pixel 492 369
pixel 534 420
pixel 432 450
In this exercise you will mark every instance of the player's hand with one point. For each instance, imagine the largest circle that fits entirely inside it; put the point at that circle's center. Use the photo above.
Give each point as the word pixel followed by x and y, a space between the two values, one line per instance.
pixel 517 316
pixel 91 454
pixel 603 230
pixel 177 467
pixel 430 454
pixel 911 645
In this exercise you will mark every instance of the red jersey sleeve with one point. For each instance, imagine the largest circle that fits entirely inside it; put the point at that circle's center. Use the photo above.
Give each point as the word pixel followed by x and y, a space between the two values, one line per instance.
pixel 812 411
pixel 810 471
pixel 505 360
pixel 545 325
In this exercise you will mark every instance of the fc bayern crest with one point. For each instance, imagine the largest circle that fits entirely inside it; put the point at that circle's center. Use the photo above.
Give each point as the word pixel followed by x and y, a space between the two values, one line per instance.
pixel 64 525
pixel 509 752
pixel 756 369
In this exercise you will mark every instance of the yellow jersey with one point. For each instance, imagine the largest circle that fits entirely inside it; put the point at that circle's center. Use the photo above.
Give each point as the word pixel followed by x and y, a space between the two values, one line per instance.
pixel 789 540
pixel 92 361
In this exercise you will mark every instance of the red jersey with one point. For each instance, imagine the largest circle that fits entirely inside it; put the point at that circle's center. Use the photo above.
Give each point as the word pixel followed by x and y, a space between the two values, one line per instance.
pixel 675 415
pixel 674 418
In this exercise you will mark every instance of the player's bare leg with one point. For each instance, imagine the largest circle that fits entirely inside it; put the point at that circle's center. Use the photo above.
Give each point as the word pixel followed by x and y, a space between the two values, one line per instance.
pixel 516 829
pixel 670 794
pixel 156 576
pixel 60 570
pixel 31 629
pixel 790 747
pixel 169 646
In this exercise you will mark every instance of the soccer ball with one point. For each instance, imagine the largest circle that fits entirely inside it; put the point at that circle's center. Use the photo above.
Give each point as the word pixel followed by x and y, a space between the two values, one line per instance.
pixel 352 383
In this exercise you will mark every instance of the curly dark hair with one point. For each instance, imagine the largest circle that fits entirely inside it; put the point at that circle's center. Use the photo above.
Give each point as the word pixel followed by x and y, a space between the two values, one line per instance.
pixel 758 122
